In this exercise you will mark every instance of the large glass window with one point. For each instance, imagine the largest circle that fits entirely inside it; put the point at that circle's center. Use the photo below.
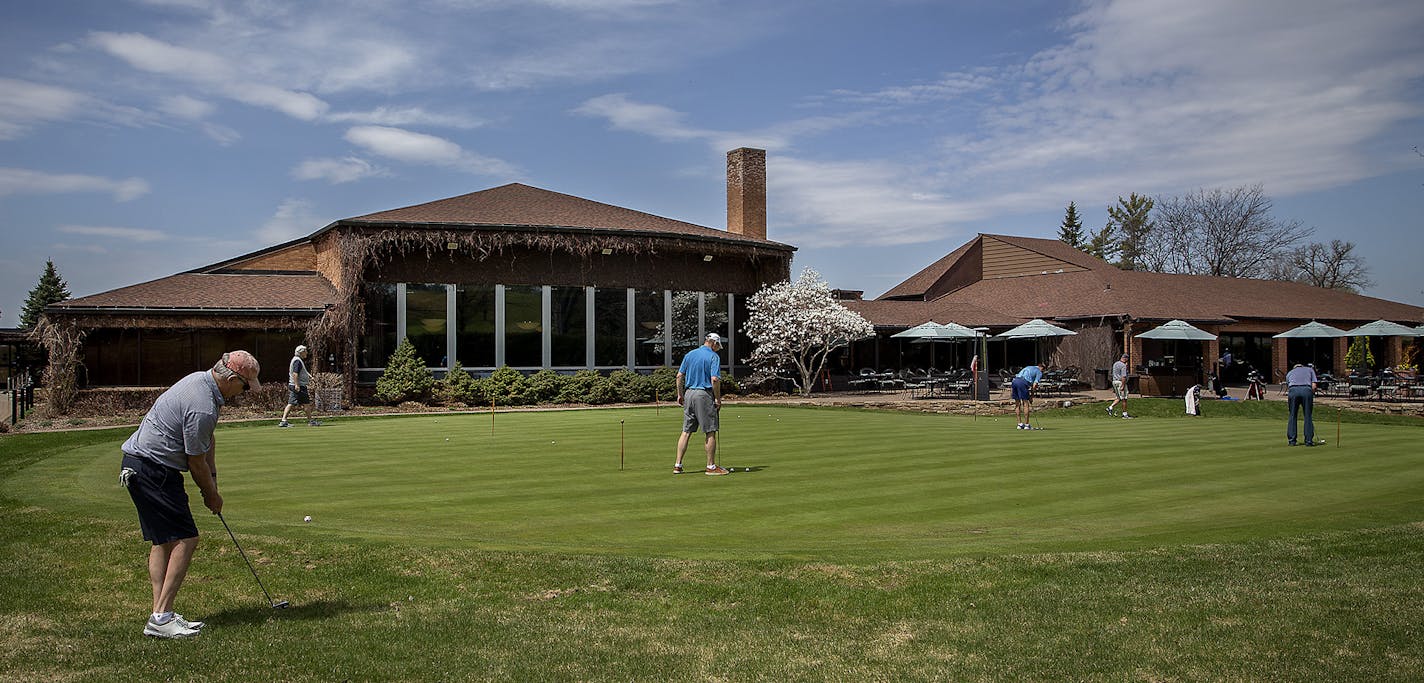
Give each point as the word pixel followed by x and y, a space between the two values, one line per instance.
pixel 568 311
pixel 685 319
pixel 610 327
pixel 742 343
pixel 523 326
pixel 714 307
pixel 474 313
pixel 378 338
pixel 648 326
pixel 425 322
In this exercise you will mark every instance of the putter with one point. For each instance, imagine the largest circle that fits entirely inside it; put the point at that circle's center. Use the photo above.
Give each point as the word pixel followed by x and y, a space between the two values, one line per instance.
pixel 280 604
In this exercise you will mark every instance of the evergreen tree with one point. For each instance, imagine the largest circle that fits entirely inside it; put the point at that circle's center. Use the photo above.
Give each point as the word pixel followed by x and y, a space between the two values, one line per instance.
pixel 51 289
pixel 1131 220
pixel 406 378
pixel 1071 232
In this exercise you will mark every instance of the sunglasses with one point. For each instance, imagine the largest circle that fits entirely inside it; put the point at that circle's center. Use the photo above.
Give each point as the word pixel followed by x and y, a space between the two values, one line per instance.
pixel 245 386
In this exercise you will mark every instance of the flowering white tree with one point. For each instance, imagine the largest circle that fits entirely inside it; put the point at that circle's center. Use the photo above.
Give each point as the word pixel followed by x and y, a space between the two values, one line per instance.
pixel 796 325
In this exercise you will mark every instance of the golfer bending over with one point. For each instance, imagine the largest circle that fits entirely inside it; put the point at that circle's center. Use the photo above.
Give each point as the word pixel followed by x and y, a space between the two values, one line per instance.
pixel 700 380
pixel 1023 385
pixel 176 436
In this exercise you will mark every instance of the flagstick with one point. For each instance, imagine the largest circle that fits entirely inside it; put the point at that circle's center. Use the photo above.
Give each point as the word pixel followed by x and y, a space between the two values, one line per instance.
pixel 620 445
pixel 1337 426
pixel 491 416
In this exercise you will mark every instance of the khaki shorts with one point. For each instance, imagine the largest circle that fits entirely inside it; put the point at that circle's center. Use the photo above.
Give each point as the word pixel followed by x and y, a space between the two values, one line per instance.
pixel 699 409
pixel 1120 388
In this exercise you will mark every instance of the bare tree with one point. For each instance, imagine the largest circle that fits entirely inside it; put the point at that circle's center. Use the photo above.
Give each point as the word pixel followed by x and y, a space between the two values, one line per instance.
pixel 1332 265
pixel 1223 232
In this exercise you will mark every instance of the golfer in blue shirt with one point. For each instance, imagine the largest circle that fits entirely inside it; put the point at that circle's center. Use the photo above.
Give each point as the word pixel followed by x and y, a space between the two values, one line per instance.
pixel 699 392
pixel 1022 386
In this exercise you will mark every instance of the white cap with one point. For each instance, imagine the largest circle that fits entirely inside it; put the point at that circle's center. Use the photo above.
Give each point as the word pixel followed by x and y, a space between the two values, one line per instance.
pixel 301 348
pixel 714 337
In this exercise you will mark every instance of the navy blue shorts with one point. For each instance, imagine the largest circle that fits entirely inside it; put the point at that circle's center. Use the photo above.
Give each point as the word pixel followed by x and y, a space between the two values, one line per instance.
pixel 1020 389
pixel 297 397
pixel 162 503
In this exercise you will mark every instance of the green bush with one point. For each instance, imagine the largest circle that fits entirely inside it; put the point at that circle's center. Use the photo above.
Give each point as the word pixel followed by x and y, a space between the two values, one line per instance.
pixel 506 387
pixel 580 387
pixel 662 384
pixel 544 387
pixel 627 386
pixel 730 385
pixel 457 387
pixel 406 378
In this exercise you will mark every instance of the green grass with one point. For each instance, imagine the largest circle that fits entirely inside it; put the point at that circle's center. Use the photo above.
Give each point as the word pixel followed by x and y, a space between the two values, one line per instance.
pixel 863 545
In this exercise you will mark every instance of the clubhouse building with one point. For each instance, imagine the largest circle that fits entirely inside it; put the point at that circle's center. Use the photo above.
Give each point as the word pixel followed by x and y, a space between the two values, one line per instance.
pixel 529 278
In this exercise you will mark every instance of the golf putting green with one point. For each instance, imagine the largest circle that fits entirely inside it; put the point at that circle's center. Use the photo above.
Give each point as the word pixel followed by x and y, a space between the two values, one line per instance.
pixel 825 484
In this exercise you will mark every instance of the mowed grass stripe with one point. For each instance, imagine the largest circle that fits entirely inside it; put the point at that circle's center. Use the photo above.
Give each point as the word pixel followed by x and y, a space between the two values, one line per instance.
pixel 839 484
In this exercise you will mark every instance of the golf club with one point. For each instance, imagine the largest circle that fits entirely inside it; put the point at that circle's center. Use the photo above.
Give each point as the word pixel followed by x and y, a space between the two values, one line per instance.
pixel 280 604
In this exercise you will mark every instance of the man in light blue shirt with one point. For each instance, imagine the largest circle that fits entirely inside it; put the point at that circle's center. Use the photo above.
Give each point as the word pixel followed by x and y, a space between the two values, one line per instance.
pixel 1022 388
pixel 699 392
pixel 1301 394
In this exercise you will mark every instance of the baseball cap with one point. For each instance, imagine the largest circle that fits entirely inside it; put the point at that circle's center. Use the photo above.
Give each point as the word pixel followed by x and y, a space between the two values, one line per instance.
pixel 714 337
pixel 301 348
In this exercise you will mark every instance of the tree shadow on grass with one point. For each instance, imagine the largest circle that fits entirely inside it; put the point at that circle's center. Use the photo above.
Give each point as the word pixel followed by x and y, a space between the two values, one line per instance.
pixel 297 611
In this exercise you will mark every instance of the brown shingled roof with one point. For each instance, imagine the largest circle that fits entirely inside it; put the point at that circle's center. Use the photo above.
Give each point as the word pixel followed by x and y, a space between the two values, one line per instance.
pixel 1164 296
pixel 891 313
pixel 201 291
pixel 517 204
pixel 920 283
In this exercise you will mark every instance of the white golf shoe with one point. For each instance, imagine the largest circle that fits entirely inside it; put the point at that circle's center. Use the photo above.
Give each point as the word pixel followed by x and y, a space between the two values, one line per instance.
pixel 175 628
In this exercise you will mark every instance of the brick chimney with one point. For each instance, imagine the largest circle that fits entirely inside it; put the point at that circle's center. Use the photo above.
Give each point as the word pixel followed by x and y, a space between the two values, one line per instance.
pixel 746 192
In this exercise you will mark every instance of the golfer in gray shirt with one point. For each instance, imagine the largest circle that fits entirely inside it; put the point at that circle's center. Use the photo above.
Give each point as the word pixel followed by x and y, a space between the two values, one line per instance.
pixel 176 436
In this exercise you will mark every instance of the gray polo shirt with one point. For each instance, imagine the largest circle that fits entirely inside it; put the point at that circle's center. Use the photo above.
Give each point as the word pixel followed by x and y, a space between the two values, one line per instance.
pixel 180 423
pixel 1119 371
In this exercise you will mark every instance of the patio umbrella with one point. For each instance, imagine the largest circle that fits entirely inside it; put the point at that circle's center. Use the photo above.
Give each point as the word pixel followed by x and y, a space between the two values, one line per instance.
pixel 1037 328
pixel 1312 330
pixel 934 330
pixel 1383 328
pixel 1179 330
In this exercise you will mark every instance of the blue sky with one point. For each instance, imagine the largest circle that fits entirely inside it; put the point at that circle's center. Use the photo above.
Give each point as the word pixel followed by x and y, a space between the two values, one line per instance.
pixel 141 138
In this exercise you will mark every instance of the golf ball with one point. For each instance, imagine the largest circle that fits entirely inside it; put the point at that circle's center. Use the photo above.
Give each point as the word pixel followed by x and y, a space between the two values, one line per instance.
pixel 307 518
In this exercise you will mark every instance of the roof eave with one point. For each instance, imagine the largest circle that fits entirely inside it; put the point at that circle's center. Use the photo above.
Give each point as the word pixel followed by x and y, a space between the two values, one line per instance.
pixel 618 232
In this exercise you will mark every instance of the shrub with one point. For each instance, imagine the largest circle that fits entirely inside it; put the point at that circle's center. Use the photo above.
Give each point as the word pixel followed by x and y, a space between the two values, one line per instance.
pixel 730 385
pixel 457 387
pixel 506 386
pixel 406 378
pixel 662 384
pixel 628 387
pixel 580 387
pixel 544 386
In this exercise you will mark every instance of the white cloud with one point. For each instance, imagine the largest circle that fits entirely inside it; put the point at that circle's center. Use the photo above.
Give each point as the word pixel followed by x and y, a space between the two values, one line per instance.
pixel 294 218
pixel 336 171
pixel 24 104
pixel 405 116
pixel 127 234
pixel 419 148
pixel 207 69
pixel 185 107
pixel 21 181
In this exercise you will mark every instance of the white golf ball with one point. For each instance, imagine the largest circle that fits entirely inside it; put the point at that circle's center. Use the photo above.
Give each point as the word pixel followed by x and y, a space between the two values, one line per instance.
pixel 307 518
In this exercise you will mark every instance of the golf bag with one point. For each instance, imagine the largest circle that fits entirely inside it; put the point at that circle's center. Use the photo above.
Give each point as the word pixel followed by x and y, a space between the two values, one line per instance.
pixel 1257 387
